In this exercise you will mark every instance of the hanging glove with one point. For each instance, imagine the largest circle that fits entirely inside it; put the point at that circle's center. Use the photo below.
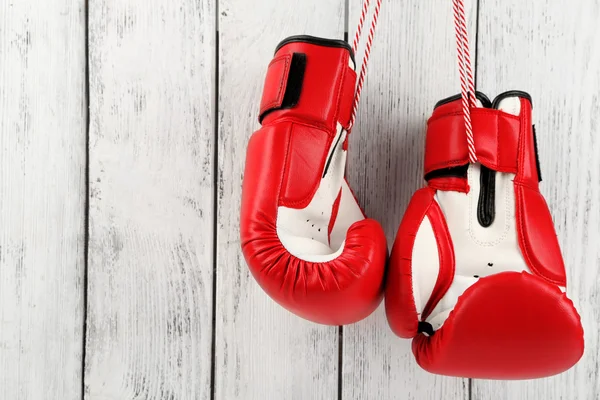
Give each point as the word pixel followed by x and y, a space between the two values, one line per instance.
pixel 304 237
pixel 476 273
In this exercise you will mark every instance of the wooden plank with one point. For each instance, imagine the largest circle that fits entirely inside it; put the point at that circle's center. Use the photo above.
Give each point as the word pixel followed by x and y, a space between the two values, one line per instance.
pixel 152 71
pixel 552 50
pixel 262 351
pixel 42 197
pixel 413 65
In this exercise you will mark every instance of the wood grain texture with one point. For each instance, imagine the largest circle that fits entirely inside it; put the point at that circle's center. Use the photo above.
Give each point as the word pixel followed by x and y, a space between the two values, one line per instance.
pixel 262 350
pixel 42 196
pixel 552 50
pixel 152 76
pixel 413 65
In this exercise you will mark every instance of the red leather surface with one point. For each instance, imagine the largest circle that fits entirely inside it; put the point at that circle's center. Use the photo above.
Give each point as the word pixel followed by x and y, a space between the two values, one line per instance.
pixel 347 101
pixel 324 88
pixel 496 139
pixel 537 236
pixel 400 306
pixel 446 258
pixel 306 155
pixel 527 173
pixel 284 163
pixel 506 326
pixel 275 83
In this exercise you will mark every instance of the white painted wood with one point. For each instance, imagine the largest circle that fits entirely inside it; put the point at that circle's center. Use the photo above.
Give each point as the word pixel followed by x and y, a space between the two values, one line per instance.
pixel 262 351
pixel 413 65
pixel 152 75
pixel 42 196
pixel 552 50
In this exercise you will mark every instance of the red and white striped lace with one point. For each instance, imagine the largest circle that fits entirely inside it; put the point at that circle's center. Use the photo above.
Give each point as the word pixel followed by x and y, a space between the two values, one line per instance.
pixel 467 83
pixel 365 62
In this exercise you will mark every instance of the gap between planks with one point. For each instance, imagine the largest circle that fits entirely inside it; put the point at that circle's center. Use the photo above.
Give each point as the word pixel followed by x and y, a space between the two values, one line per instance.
pixel 86 215
pixel 213 343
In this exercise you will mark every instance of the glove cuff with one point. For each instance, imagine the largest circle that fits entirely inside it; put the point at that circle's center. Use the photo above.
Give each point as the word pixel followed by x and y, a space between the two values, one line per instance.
pixel 312 79
pixel 503 142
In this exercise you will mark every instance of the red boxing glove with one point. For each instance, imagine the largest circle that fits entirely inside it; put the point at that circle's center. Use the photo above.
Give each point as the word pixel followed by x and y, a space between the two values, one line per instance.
pixel 476 273
pixel 304 237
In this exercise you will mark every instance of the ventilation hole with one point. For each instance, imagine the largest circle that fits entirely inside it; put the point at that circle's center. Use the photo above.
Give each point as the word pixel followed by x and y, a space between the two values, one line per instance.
pixel 307 220
pixel 319 229
pixel 313 225
pixel 475 276
pixel 490 264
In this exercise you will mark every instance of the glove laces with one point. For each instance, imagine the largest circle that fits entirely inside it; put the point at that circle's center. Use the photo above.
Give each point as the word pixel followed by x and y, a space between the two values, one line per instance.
pixel 467 83
pixel 365 62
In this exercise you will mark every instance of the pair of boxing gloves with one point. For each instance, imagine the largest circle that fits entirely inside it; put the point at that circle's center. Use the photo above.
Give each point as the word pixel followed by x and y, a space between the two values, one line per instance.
pixel 475 277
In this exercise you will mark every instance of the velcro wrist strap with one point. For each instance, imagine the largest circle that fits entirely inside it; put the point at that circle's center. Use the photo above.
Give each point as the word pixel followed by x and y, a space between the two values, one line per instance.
pixel 283 83
pixel 496 136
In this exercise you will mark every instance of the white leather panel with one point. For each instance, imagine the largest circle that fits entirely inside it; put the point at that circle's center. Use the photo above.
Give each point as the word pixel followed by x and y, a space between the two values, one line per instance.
pixel 476 247
pixel 511 105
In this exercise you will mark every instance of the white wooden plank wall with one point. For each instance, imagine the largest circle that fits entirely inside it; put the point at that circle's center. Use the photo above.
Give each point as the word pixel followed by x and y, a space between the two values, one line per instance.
pixel 42 197
pixel 174 87
pixel 150 273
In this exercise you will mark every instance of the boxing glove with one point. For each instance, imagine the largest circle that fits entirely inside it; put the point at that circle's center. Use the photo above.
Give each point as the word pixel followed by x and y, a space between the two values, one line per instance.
pixel 476 274
pixel 303 234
